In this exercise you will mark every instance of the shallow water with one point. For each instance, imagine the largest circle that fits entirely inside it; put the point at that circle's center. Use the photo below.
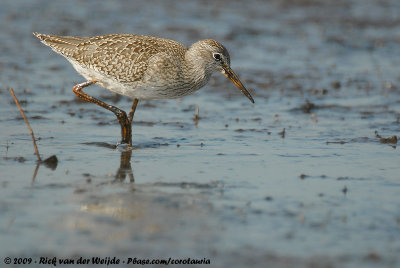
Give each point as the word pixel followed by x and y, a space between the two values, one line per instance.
pixel 229 187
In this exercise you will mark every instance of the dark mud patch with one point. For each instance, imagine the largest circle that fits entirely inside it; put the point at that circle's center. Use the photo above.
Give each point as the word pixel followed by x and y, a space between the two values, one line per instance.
pixel 189 185
pixel 51 162
pixel 184 126
pixel 101 144
pixel 321 70
pixel 241 130
pixel 353 140
pixel 19 159
pixel 144 123
pixel 389 140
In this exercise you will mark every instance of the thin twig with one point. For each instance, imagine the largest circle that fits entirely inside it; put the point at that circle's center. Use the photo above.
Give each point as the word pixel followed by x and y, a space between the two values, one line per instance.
pixel 35 172
pixel 27 123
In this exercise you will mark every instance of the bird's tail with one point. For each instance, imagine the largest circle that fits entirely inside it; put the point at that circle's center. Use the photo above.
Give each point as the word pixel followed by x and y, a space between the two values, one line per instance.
pixel 64 45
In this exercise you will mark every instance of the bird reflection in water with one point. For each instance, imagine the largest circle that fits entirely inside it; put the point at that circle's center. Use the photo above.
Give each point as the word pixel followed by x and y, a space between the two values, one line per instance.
pixel 124 170
pixel 125 167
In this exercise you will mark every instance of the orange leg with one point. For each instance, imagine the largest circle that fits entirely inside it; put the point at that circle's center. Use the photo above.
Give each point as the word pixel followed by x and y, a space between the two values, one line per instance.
pixel 126 127
pixel 133 109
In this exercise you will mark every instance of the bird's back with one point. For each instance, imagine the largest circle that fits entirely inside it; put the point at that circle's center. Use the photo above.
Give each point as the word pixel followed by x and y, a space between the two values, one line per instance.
pixel 123 57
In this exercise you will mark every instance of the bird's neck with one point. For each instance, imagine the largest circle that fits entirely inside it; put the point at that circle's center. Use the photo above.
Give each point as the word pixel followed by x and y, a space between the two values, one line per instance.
pixel 195 69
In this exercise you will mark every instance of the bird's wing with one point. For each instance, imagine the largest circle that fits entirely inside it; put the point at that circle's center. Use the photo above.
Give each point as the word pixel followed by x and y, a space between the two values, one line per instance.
pixel 123 57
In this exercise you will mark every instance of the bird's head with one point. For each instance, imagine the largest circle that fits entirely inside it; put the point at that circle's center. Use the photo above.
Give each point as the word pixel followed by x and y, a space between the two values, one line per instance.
pixel 216 58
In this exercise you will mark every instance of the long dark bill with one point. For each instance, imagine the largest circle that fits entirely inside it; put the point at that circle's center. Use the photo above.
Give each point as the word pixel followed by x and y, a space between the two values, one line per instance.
pixel 232 76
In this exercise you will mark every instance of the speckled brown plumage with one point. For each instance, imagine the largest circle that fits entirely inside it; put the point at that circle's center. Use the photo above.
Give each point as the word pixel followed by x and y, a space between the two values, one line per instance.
pixel 142 67
pixel 123 57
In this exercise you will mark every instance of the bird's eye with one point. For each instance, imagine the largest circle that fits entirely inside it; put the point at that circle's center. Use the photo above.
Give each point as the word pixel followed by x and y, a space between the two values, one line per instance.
pixel 217 56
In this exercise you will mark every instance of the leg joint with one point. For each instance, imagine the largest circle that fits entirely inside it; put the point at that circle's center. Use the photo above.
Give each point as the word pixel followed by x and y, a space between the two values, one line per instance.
pixel 76 89
pixel 121 114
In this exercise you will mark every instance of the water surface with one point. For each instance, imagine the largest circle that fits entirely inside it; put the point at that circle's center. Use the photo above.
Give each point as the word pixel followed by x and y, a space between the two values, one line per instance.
pixel 230 187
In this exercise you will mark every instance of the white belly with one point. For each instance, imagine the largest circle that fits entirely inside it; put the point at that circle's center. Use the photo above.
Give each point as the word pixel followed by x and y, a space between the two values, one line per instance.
pixel 146 89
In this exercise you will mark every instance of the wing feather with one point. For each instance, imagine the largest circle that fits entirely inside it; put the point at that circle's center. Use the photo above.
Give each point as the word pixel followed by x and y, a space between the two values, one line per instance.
pixel 121 56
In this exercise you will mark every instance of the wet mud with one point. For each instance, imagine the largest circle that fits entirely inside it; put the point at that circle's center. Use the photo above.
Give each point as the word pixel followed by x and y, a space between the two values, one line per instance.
pixel 308 176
